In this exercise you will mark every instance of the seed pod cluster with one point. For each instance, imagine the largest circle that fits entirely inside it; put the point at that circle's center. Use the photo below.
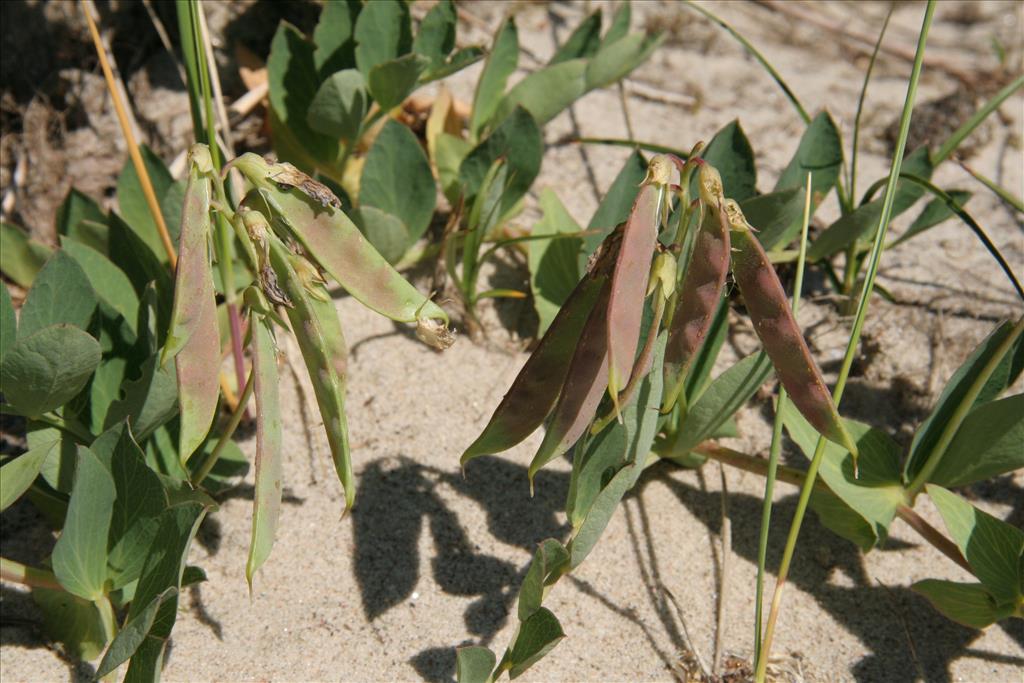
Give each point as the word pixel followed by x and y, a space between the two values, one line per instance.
pixel 313 217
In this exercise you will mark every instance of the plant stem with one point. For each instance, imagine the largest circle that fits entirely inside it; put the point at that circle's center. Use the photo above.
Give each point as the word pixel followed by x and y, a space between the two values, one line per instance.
pixel 960 414
pixel 236 417
pixel 16 572
pixel 776 446
pixel 795 477
pixel 865 297
pixel 961 133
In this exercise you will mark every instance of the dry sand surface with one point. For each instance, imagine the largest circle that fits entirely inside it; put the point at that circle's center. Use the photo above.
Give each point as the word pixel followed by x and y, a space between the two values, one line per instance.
pixel 429 560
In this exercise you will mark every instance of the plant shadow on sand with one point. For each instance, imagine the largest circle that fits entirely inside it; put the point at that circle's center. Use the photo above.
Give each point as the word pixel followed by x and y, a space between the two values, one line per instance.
pixel 905 636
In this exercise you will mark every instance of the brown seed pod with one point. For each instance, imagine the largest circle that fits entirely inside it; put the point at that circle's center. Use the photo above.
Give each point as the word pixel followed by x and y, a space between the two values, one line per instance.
pixel 286 175
pixel 702 286
pixel 780 335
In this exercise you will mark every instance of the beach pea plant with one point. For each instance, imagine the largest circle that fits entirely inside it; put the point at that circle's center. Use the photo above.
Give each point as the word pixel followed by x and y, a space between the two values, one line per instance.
pixel 118 374
pixel 821 150
pixel 486 164
pixel 621 380
pixel 105 429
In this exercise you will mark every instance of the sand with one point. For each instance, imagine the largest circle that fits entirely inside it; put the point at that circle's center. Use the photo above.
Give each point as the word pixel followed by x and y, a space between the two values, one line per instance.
pixel 429 560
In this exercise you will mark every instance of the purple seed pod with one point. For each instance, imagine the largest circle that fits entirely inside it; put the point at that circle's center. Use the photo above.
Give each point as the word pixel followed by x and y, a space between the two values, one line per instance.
pixel 703 282
pixel 780 335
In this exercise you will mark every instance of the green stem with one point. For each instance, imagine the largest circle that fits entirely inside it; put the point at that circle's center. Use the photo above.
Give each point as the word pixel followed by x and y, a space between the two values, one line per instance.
pixel 52 420
pixel 851 348
pixel 960 414
pixel 232 425
pixel 860 108
pixel 963 131
pixel 16 572
pixel 776 446
pixel 791 475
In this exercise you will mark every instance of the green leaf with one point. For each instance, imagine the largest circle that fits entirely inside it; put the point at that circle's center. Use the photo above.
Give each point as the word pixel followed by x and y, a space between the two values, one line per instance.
pixel 8 322
pixel 774 215
pixel 616 205
pixel 58 469
pixel 987 444
pixel 615 60
pixel 383 32
pixel 135 210
pixel 965 603
pixel 730 152
pixel 139 263
pixel 547 92
pixel 518 140
pixel 135 516
pixel 392 81
pixel 877 492
pixel 293 82
pixel 549 559
pixel 537 636
pixel 820 153
pixel 992 547
pixel 80 555
pixel 592 468
pixel 397 180
pixel 436 35
pixel 132 634
pixel 75 622
pixel 82 219
pixel 149 401
pixel 339 105
pixel 17 474
pixel 583 42
pixel 387 233
pixel 552 262
pixel 935 212
pixel 47 369
pixel 638 427
pixel 334 37
pixel 61 293
pixel 107 280
pixel 959 386
pixel 500 64
pixel 842 520
pixel 163 569
pixel 449 153
pixel 20 256
pixel 723 397
pixel 473 664
pixel 267 499
pixel 863 221
pixel 620 25
pixel 457 62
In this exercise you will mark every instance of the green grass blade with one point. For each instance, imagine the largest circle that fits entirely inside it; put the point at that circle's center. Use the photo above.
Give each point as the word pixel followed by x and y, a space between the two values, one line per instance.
pixel 961 133
pixel 748 46
pixel 970 222
pixel 633 144
pixel 851 348
pixel 1016 202
pixel 860 106
pixel 776 445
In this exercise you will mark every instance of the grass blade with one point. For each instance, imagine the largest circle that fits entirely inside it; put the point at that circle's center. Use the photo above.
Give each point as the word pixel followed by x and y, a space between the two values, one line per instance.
pixel 851 349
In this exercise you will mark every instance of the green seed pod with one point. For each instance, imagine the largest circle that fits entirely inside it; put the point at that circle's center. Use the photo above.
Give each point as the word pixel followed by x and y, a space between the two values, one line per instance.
pixel 780 335
pixel 266 504
pixel 331 239
pixel 702 286
pixel 318 332
pixel 194 340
